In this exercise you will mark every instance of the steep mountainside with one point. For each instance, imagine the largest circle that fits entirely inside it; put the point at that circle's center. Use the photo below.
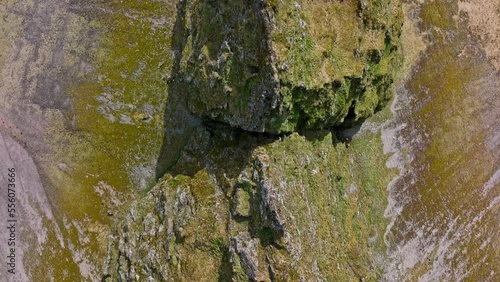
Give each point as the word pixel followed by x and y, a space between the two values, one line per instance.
pixel 278 66
pixel 247 200
pixel 219 140
pixel 260 209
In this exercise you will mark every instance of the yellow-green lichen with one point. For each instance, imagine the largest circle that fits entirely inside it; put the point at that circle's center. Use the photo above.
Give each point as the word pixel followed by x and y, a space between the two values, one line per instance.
pixel 313 64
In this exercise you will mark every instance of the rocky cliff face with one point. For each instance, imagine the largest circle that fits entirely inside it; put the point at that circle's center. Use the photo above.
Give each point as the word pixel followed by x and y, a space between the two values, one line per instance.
pixel 259 210
pixel 239 205
pixel 278 66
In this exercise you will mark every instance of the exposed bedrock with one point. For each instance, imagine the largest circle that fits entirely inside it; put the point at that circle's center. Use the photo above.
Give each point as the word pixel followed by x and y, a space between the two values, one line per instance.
pixel 280 66
pixel 240 206
pixel 258 209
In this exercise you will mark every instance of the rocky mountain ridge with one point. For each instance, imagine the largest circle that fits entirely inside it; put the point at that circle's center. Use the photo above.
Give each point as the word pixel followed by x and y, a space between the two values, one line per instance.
pixel 239 205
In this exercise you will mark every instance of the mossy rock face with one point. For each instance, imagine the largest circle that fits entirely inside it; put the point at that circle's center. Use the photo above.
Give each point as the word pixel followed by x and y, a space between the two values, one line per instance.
pixel 280 66
pixel 175 233
pixel 285 209
pixel 239 206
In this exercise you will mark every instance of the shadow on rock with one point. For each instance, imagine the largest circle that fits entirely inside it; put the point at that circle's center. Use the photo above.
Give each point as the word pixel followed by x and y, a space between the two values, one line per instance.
pixel 190 143
pixel 179 123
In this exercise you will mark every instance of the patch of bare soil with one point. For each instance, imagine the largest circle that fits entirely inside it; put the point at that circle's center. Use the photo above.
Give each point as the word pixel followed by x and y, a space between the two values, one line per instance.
pixel 484 22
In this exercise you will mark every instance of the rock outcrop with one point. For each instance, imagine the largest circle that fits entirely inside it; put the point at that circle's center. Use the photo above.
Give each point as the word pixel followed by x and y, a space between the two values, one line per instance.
pixel 260 210
pixel 279 66
pixel 241 206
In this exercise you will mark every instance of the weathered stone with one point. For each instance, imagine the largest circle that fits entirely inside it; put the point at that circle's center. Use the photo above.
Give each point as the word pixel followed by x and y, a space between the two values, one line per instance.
pixel 279 214
pixel 247 206
pixel 246 248
pixel 279 66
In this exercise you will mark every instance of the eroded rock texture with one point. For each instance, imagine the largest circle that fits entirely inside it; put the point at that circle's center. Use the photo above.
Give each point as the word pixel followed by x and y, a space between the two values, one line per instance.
pixel 278 66
pixel 241 206
pixel 259 210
